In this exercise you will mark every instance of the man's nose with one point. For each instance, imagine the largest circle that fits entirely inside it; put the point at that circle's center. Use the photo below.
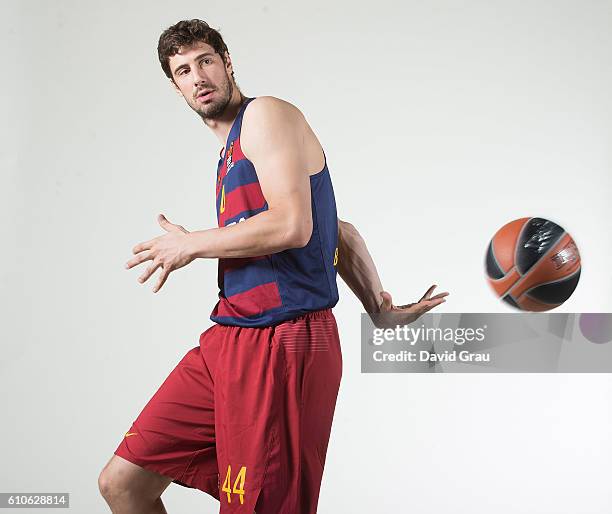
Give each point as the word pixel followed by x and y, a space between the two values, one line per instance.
pixel 199 77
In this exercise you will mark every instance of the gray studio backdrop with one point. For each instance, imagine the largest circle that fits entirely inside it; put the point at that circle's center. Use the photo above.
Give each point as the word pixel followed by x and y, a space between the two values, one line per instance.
pixel 441 121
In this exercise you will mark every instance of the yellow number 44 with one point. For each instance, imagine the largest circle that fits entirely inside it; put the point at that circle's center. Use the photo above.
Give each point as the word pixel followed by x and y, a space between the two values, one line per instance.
pixel 238 484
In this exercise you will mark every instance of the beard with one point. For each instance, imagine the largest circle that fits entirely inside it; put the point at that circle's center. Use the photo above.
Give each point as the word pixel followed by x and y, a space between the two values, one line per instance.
pixel 215 108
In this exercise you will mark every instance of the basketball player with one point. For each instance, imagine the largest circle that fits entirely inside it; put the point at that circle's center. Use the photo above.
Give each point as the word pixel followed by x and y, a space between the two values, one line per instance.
pixel 246 414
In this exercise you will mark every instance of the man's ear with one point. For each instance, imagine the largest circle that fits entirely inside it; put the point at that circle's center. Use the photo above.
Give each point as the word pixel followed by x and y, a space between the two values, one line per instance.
pixel 228 63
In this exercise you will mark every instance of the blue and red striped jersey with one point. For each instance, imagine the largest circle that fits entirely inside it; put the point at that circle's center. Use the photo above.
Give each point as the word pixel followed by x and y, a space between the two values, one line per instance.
pixel 266 290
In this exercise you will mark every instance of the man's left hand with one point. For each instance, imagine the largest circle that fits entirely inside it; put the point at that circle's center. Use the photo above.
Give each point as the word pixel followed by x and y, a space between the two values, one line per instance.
pixel 390 315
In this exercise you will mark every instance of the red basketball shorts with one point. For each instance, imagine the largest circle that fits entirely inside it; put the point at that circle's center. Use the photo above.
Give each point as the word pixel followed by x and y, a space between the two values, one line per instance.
pixel 246 416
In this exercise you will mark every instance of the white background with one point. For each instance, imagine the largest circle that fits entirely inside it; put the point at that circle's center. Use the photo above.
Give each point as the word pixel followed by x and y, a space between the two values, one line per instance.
pixel 441 122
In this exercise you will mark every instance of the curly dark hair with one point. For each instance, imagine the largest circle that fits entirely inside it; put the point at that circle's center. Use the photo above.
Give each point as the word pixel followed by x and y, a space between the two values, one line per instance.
pixel 186 33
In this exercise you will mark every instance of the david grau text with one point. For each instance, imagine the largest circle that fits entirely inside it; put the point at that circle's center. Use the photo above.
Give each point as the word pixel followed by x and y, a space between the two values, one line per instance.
pixel 427 356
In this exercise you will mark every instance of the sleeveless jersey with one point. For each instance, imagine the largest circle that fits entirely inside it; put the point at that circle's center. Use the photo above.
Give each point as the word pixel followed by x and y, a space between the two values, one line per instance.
pixel 264 291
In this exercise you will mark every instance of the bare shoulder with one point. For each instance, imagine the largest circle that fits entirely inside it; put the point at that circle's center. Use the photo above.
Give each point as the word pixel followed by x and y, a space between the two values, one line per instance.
pixel 269 110
pixel 269 126
pixel 274 128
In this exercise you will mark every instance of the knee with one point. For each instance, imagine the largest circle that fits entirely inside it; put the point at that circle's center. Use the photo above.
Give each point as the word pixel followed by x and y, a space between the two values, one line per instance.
pixel 110 485
pixel 104 483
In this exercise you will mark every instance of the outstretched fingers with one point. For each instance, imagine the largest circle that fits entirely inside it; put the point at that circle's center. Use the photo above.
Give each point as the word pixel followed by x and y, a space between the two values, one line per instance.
pixel 143 256
pixel 162 279
pixel 428 293
pixel 149 271
pixel 439 295
pixel 430 304
pixel 147 245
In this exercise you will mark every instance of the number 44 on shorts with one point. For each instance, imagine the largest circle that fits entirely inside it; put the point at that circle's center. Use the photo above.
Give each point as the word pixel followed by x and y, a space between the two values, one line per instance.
pixel 238 484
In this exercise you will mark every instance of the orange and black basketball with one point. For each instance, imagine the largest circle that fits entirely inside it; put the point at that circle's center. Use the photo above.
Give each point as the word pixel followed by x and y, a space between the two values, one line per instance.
pixel 533 264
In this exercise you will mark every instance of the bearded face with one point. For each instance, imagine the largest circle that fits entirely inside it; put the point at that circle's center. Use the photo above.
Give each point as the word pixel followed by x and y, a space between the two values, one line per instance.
pixel 210 100
pixel 203 78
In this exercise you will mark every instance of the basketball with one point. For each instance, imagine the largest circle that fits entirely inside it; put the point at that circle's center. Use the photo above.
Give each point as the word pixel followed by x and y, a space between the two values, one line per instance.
pixel 533 264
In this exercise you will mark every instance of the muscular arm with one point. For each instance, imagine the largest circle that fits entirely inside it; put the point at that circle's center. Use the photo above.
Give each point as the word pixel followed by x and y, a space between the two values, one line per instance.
pixel 356 267
pixel 271 138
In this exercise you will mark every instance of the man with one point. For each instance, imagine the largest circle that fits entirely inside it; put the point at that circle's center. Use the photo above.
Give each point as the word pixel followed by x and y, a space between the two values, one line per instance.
pixel 246 415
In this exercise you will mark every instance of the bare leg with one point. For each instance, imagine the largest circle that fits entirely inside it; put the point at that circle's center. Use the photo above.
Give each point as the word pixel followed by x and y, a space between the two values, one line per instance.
pixel 130 489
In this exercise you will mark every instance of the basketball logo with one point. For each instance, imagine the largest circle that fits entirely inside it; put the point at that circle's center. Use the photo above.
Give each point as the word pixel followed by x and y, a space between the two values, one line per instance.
pixel 533 264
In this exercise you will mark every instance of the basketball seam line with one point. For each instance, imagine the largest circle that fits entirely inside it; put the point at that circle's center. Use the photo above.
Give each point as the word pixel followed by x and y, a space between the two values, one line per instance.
pixel 497 263
pixel 552 282
pixel 512 285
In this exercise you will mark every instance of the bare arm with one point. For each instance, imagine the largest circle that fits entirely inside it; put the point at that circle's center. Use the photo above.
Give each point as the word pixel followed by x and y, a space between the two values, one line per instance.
pixel 356 267
pixel 271 138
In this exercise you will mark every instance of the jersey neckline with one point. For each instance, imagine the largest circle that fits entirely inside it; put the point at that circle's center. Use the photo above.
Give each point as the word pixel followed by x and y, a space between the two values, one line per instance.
pixel 247 100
